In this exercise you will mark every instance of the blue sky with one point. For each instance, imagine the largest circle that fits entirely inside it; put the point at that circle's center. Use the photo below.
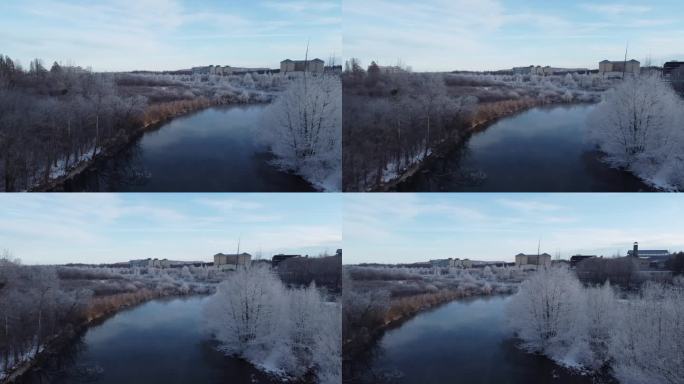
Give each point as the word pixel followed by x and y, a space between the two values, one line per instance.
pixel 439 35
pixel 399 228
pixel 115 35
pixel 104 228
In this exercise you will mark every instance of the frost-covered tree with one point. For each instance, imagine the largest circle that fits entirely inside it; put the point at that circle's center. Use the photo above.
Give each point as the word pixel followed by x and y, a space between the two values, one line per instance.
pixel 639 125
pixel 244 312
pixel 544 311
pixel 600 315
pixel 305 130
pixel 292 331
pixel 647 341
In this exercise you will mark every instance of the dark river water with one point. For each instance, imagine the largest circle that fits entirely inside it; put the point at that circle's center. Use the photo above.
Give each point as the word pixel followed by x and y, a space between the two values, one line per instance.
pixel 213 150
pixel 541 150
pixel 465 341
pixel 160 341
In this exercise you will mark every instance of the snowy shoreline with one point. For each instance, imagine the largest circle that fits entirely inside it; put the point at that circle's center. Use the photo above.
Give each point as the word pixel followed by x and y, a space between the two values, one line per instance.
pixel 120 142
pixel 391 181
pixel 59 341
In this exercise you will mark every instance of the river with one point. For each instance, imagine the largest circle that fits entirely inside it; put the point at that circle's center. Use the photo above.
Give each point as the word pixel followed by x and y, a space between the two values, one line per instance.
pixel 213 150
pixel 464 341
pixel 543 149
pixel 161 341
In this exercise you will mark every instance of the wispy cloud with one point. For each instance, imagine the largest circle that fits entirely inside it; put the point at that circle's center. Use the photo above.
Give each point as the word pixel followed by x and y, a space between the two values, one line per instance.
pixel 440 35
pixel 118 227
pixel 166 34
pixel 616 9
pixel 419 227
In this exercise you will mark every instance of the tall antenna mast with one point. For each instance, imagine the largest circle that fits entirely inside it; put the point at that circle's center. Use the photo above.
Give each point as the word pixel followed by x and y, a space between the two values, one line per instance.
pixel 624 64
pixel 538 250
pixel 306 64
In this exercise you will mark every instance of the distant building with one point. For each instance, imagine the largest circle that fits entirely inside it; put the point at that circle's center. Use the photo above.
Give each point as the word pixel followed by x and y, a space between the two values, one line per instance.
pixel 670 67
pixel 279 258
pixel 451 263
pixel 227 70
pixel 338 253
pixel 337 69
pixel 547 70
pixel 522 259
pixel 232 261
pixel 650 258
pixel 150 263
pixel 313 66
pixel 574 260
pixel 618 67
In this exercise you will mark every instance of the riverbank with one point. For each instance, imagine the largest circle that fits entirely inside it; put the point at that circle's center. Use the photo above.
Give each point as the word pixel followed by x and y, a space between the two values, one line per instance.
pixel 101 309
pixel 154 118
pixel 486 115
pixel 464 340
pixel 400 311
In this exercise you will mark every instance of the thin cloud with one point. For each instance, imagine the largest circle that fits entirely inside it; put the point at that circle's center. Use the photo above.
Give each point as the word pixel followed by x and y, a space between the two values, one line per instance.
pixel 616 9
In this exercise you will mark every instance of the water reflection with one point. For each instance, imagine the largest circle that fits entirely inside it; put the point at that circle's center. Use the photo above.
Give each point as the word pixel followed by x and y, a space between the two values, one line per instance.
pixel 540 150
pixel 214 150
pixel 157 342
pixel 461 342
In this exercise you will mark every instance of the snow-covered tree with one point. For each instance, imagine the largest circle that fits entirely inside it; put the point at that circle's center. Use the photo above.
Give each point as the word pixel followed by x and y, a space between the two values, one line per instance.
pixel 639 126
pixel 544 311
pixel 292 331
pixel 305 130
pixel 647 341
pixel 600 315
pixel 244 312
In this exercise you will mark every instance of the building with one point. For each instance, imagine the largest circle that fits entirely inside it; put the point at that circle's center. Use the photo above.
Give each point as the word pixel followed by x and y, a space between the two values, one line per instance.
pixel 314 66
pixel 150 263
pixel 232 261
pixel 670 67
pixel 547 70
pixel 574 260
pixel 618 67
pixel 279 258
pixel 441 263
pixel 451 263
pixel 650 258
pixel 227 70
pixel 522 260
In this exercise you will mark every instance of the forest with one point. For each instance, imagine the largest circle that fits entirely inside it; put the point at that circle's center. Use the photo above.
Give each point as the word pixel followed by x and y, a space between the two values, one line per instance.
pixel 635 336
pixel 392 121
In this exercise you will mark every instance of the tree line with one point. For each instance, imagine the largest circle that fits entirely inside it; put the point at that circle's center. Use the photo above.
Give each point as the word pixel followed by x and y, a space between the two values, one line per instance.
pixel 53 118
pixel 636 337
pixel 390 120
pixel 34 307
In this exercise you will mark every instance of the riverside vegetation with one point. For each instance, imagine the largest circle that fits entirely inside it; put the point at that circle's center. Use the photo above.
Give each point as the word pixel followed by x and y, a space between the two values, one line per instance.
pixel 393 121
pixel 378 297
pixel 396 121
pixel 55 122
pixel 293 330
pixel 637 336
